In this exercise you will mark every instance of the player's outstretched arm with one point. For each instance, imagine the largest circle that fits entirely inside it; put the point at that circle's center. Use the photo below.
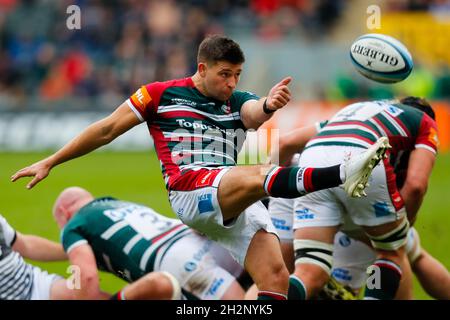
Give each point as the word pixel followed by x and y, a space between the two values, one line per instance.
pixel 96 135
pixel 38 248
pixel 420 165
pixel 255 113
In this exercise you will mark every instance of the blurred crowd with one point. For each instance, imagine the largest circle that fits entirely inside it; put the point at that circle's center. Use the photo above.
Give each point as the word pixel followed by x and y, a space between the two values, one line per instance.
pixel 419 5
pixel 125 43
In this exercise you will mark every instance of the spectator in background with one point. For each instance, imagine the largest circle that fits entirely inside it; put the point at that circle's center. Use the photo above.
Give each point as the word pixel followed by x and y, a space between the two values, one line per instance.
pixel 53 63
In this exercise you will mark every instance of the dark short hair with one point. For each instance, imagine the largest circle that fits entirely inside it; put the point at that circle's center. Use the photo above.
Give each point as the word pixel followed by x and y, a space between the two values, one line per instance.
pixel 216 48
pixel 421 104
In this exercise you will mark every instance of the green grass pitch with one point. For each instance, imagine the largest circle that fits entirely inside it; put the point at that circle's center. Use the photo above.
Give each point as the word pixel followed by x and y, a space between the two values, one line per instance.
pixel 137 177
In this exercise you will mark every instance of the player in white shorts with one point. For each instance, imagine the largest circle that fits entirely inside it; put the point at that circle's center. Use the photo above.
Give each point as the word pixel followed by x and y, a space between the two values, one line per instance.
pixel 412 132
pixel 352 257
pixel 20 280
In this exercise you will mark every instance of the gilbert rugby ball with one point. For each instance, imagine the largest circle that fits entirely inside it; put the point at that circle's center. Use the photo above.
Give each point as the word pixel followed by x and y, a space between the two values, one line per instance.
pixel 381 58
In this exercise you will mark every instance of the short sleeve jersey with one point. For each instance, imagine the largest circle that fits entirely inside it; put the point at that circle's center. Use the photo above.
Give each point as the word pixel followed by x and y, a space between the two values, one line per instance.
pixel 361 124
pixel 189 129
pixel 127 239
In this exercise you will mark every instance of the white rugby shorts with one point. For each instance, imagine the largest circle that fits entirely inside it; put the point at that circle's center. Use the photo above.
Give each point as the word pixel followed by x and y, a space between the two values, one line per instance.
pixel 330 207
pixel 42 284
pixel 198 207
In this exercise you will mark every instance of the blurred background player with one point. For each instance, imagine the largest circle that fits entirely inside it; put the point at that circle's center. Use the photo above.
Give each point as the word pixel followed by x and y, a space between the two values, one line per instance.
pixel 131 240
pixel 411 128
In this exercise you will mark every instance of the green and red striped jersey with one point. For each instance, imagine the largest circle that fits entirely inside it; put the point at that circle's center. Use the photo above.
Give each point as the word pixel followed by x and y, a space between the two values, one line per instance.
pixel 361 124
pixel 190 130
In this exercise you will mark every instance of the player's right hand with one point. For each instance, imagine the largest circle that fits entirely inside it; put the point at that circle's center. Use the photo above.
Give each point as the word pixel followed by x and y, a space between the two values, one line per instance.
pixel 38 170
pixel 279 95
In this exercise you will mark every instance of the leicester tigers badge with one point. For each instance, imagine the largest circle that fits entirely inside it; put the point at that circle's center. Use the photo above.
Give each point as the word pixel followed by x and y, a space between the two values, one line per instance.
pixel 226 108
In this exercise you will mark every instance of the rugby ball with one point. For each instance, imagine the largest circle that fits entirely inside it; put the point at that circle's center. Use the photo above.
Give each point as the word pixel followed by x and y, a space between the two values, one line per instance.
pixel 381 58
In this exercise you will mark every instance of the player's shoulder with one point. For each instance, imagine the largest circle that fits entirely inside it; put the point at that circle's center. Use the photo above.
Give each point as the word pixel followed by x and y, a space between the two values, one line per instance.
pixel 243 93
pixel 416 115
pixel 160 86
pixel 82 217
pixel 238 98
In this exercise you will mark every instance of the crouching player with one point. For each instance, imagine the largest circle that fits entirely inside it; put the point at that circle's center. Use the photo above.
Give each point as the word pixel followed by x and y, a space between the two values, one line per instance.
pixel 131 240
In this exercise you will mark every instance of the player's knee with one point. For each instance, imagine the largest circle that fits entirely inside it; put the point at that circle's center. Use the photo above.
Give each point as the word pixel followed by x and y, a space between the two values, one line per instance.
pixel 163 285
pixel 281 274
pixel 413 248
pixel 313 277
pixel 171 286
pixel 234 292
pixel 275 275
pixel 255 180
pixel 393 242
pixel 313 262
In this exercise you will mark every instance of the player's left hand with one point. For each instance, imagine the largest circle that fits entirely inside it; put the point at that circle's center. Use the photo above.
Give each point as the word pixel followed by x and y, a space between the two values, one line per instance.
pixel 279 95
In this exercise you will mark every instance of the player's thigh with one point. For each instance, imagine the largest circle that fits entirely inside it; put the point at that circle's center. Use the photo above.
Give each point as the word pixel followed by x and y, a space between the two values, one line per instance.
pixel 383 204
pixel 240 187
pixel 200 210
pixel 281 213
pixel 317 216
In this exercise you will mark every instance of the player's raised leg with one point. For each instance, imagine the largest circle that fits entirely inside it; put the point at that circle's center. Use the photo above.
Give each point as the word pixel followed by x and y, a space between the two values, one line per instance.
pixel 243 185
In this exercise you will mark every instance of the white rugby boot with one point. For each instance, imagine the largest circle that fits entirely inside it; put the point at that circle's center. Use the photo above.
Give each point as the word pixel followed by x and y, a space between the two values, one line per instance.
pixel 358 168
